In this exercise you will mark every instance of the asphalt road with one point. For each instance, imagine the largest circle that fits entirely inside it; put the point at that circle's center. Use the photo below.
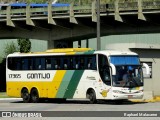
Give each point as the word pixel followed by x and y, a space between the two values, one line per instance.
pixel 80 105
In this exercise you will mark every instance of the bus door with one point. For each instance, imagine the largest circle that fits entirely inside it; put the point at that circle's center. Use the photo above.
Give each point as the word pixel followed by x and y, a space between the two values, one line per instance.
pixel 104 72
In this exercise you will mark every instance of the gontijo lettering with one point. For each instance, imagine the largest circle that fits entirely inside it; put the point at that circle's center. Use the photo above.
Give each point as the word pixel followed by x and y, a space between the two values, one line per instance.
pixel 38 76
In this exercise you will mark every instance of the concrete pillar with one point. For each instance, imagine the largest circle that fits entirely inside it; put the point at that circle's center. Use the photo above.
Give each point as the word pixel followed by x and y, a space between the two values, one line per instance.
pixel 79 43
pixel 87 43
pixel 51 44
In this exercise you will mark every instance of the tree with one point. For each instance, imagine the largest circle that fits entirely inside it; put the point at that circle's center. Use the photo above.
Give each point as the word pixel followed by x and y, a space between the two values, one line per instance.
pixel 10 48
pixel 24 45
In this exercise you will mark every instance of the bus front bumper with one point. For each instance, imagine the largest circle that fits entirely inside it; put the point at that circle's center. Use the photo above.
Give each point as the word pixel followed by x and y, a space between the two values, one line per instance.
pixel 127 96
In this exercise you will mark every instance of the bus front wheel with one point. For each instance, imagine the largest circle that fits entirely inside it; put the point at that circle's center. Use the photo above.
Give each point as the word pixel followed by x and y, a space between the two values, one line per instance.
pixel 92 97
pixel 34 95
pixel 25 95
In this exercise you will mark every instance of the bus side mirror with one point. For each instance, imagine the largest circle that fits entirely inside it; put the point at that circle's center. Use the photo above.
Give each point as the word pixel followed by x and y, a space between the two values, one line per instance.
pixel 113 69
pixel 147 68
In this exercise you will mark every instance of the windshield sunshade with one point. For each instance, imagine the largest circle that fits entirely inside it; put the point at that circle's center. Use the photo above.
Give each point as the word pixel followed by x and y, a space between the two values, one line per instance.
pixel 124 60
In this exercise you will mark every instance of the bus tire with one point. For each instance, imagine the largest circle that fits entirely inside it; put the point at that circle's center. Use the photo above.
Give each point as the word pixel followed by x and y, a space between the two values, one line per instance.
pixel 34 95
pixel 25 95
pixel 92 97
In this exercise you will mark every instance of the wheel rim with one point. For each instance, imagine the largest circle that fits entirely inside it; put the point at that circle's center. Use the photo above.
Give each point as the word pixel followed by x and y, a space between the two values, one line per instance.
pixel 25 96
pixel 34 96
pixel 91 97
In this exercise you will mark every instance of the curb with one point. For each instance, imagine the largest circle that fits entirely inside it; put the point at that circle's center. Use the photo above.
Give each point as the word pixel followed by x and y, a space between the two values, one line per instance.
pixel 149 100
pixel 157 98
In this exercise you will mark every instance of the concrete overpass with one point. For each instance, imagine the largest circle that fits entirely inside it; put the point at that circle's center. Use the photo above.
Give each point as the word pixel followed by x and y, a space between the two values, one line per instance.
pixel 74 23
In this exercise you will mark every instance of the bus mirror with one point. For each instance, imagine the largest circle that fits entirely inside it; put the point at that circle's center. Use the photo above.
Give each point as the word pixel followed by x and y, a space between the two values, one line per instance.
pixel 113 69
pixel 147 68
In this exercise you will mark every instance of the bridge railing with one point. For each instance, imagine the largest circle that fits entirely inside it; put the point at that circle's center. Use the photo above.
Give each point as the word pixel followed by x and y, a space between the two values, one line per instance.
pixel 125 6
pixel 109 7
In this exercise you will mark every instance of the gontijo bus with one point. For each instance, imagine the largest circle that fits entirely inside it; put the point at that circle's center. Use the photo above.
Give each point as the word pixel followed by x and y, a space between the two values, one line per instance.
pixel 74 73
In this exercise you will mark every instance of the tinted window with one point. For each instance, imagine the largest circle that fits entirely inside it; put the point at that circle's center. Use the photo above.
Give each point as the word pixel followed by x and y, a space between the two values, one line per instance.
pixel 72 62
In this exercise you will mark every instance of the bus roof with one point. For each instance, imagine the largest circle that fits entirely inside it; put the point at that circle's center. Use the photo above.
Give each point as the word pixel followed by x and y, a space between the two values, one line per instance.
pixel 61 51
pixel 64 50
pixel 71 51
pixel 110 52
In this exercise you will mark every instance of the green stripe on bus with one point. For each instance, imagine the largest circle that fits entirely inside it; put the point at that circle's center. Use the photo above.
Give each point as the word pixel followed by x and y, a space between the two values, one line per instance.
pixel 79 53
pixel 73 84
pixel 89 52
pixel 64 84
pixel 85 53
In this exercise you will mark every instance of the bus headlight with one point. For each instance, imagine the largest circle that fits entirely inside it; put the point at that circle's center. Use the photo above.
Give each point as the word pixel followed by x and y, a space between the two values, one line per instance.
pixel 140 91
pixel 117 91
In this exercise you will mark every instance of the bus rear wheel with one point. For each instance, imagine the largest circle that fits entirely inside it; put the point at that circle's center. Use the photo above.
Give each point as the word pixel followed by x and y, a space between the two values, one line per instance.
pixel 92 97
pixel 25 95
pixel 34 96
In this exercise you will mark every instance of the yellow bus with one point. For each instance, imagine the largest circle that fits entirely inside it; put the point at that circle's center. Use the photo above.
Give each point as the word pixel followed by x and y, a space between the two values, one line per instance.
pixel 74 73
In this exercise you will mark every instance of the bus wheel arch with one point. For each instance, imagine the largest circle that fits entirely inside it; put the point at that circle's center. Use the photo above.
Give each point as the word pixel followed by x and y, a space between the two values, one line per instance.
pixel 25 95
pixel 34 95
pixel 91 95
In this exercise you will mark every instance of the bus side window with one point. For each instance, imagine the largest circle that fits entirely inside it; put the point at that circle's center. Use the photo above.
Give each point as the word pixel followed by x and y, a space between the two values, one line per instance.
pixel 53 64
pixel 77 66
pixel 42 65
pixel 11 63
pixel 65 63
pixel 57 64
pixel 94 65
pixel 24 64
pixel 82 63
pixel 18 64
pixel 76 62
pixel 89 63
pixel 48 64
pixel 38 65
pixel 70 63
pixel 30 64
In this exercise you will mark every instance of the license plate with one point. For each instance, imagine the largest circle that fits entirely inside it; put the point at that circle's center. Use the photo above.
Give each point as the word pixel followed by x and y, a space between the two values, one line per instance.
pixel 130 96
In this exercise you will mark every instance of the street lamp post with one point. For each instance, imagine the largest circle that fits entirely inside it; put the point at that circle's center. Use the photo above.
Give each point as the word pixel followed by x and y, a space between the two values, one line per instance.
pixel 98 26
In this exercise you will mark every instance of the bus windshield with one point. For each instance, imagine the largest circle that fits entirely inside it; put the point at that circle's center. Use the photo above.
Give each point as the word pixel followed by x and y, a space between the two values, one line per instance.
pixel 128 76
pixel 128 71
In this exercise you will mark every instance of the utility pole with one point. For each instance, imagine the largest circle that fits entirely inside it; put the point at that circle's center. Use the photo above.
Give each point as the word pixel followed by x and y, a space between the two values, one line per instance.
pixel 98 26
